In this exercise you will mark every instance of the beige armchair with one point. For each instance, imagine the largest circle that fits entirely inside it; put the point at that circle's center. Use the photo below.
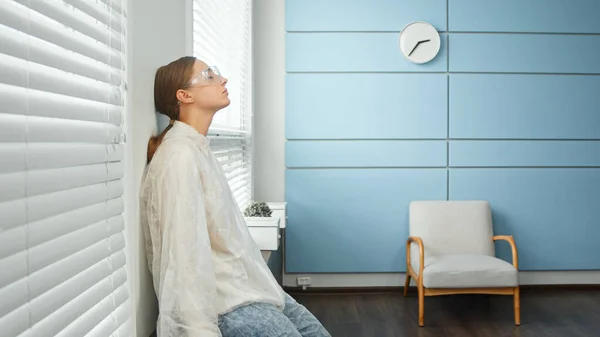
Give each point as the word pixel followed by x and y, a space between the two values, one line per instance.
pixel 453 252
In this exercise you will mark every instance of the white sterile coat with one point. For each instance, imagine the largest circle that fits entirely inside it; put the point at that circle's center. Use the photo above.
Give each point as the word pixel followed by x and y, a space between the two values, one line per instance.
pixel 203 260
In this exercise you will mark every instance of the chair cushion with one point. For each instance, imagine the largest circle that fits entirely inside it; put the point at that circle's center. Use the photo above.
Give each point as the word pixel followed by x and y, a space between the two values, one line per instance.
pixel 451 227
pixel 468 271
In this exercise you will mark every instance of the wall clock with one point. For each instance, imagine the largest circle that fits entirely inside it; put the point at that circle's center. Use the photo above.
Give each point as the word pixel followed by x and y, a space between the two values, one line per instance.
pixel 419 42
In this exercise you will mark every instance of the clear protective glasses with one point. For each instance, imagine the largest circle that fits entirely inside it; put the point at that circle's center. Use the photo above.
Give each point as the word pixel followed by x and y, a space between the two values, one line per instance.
pixel 208 76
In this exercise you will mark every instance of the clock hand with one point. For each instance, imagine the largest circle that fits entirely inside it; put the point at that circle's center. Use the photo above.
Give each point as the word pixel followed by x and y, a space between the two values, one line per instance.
pixel 418 43
pixel 414 48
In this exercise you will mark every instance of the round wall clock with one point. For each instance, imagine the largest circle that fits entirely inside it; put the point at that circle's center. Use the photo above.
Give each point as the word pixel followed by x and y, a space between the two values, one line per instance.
pixel 419 42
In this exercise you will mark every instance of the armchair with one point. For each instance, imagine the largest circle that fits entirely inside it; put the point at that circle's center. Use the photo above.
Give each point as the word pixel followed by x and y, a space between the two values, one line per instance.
pixel 450 250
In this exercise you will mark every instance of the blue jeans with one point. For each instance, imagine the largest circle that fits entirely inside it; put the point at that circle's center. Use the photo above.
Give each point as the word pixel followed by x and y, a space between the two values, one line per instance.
pixel 265 320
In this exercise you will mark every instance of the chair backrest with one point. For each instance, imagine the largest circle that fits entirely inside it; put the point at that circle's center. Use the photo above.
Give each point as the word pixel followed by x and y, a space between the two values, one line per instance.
pixel 451 227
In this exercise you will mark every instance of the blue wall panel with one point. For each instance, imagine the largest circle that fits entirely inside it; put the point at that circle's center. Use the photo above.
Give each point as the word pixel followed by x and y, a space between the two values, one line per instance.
pixel 352 52
pixel 366 154
pixel 526 53
pixel 543 16
pixel 507 112
pixel 353 220
pixel 553 214
pixel 366 106
pixel 362 15
pixel 524 106
pixel 524 153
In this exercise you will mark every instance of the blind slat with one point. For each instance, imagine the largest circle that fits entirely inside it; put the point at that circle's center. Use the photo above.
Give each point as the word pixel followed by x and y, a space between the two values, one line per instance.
pixel 13 296
pixel 76 310
pixel 51 55
pixel 237 168
pixel 47 205
pixel 94 316
pixel 74 18
pixel 112 323
pixel 51 301
pixel 19 72
pixel 62 247
pixel 12 127
pixel 116 170
pixel 46 155
pixel 98 11
pixel 13 268
pixel 47 229
pixel 13 214
pixel 19 100
pixel 15 322
pixel 54 130
pixel 49 277
pixel 12 240
pixel 115 6
pixel 232 160
pixel 239 180
pixel 12 186
pixel 124 330
pixel 18 17
pixel 54 180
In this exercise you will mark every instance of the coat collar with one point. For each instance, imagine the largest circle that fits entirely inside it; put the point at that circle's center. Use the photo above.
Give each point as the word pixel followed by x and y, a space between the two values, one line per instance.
pixel 181 129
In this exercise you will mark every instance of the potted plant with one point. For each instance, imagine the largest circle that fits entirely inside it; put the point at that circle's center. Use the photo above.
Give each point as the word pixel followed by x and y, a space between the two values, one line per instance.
pixel 259 214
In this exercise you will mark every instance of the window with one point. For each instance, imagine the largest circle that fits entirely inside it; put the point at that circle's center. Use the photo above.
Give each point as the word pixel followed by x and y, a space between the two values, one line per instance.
pixel 62 258
pixel 222 36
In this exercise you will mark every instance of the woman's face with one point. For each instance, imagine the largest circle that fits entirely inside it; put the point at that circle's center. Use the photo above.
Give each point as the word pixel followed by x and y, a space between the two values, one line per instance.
pixel 207 89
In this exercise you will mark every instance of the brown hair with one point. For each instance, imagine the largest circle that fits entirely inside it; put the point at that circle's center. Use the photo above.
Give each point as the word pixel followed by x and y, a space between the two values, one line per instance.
pixel 167 81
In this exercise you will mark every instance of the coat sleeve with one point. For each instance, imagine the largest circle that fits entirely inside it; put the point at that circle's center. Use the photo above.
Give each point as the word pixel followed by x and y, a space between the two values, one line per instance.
pixel 187 286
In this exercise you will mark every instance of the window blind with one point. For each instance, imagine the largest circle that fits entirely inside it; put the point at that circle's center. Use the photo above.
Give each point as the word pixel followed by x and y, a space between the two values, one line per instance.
pixel 222 32
pixel 62 258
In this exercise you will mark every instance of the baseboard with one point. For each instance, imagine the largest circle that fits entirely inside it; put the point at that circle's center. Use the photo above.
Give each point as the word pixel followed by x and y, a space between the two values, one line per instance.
pixel 377 280
pixel 413 289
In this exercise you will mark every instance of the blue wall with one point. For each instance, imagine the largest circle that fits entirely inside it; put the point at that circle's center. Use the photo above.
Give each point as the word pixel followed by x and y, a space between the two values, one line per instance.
pixel 509 111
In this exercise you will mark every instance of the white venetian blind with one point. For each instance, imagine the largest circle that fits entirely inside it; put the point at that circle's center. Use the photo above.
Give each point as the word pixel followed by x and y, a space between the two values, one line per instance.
pixel 62 258
pixel 222 37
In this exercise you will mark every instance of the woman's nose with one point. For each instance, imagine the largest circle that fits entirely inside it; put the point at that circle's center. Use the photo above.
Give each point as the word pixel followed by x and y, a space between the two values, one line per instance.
pixel 224 80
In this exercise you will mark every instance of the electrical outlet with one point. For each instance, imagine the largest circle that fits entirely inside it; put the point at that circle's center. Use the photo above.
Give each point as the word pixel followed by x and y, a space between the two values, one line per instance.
pixel 303 280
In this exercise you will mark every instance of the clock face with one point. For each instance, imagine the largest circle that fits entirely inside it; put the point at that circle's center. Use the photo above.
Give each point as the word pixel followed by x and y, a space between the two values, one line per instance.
pixel 419 42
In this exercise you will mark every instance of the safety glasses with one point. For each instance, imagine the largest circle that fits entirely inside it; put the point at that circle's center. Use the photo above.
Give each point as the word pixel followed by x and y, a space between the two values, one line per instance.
pixel 208 76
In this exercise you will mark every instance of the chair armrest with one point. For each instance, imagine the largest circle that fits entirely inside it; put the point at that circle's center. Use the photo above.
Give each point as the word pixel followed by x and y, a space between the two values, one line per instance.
pixel 513 247
pixel 421 253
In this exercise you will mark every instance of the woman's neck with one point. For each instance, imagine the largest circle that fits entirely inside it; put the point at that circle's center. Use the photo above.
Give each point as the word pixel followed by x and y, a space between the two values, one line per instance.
pixel 199 121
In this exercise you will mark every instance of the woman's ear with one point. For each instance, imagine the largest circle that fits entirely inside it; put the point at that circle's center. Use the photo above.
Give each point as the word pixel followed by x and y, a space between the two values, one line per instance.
pixel 184 96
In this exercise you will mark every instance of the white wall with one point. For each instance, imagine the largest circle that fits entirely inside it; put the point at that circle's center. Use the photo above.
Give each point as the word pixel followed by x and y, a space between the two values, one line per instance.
pixel 269 147
pixel 157 35
pixel 269 100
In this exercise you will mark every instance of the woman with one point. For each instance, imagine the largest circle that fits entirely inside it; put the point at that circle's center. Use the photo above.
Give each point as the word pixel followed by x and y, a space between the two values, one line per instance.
pixel 209 275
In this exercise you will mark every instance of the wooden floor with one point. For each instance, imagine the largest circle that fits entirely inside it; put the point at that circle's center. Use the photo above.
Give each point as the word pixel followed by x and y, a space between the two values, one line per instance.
pixel 544 312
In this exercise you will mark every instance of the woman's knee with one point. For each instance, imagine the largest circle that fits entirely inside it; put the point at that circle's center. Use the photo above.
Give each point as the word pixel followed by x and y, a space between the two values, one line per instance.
pixel 257 320
pixel 304 321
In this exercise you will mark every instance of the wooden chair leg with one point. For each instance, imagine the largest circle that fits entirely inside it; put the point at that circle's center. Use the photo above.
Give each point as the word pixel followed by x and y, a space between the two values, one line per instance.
pixel 517 299
pixel 421 302
pixel 406 284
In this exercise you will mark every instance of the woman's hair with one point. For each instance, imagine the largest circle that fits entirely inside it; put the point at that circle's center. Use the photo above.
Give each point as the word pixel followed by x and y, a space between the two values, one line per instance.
pixel 167 81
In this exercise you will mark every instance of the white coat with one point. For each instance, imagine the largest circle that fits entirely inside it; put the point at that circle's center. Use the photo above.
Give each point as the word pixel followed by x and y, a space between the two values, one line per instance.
pixel 203 260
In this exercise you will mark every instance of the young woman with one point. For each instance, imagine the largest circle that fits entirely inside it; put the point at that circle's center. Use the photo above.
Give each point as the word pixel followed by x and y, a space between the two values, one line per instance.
pixel 209 276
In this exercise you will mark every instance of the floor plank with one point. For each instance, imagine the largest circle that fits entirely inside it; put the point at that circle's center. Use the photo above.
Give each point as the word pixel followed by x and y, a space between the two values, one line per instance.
pixel 544 312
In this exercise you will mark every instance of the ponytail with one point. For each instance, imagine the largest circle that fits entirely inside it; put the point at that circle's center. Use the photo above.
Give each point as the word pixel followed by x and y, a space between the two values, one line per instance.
pixel 155 141
pixel 167 81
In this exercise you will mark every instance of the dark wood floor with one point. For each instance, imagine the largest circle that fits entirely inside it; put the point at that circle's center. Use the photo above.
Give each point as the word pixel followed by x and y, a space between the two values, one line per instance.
pixel 544 312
